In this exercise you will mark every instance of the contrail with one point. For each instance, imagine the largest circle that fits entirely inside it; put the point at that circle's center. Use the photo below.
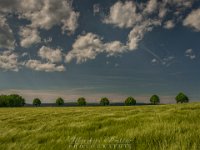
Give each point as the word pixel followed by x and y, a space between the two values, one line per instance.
pixel 152 53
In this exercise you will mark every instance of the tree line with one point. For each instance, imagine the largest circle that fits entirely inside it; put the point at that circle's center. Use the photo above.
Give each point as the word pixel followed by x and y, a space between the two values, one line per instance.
pixel 15 100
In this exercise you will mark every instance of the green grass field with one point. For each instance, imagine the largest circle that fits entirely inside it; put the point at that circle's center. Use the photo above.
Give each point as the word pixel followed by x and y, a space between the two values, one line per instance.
pixel 160 127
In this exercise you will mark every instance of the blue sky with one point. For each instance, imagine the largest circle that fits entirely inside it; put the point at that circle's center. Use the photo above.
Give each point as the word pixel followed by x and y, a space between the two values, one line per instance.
pixel 101 48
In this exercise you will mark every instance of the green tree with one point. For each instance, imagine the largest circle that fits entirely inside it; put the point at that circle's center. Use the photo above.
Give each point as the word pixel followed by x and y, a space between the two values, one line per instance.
pixel 37 102
pixel 81 101
pixel 130 101
pixel 155 99
pixel 13 100
pixel 16 100
pixel 182 98
pixel 104 101
pixel 59 101
pixel 3 101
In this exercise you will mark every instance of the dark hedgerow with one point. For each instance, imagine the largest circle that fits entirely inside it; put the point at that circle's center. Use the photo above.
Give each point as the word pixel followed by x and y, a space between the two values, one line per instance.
pixel 81 101
pixel 155 99
pixel 36 102
pixel 130 101
pixel 182 98
pixel 104 101
pixel 59 101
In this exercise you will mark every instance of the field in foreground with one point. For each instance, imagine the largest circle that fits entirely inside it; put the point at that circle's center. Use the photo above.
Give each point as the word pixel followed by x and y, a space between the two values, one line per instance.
pixel 139 127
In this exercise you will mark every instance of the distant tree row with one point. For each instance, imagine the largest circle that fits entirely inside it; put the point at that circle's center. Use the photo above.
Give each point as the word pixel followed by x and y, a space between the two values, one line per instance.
pixel 15 100
pixel 129 101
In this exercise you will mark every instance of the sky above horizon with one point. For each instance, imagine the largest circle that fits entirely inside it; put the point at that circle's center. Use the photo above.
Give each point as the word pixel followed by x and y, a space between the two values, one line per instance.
pixel 96 48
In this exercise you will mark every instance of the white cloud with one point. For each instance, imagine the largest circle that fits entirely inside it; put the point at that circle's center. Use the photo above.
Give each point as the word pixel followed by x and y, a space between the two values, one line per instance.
pixel 181 3
pixel 48 13
pixel 6 34
pixel 88 46
pixel 52 55
pixel 151 6
pixel 47 67
pixel 190 53
pixel 42 15
pixel 96 9
pixel 24 54
pixel 169 24
pixel 29 36
pixel 162 10
pixel 193 20
pixel 192 57
pixel 85 47
pixel 71 23
pixel 154 60
pixel 167 61
pixel 9 61
pixel 138 16
pixel 114 48
pixel 129 15
pixel 137 33
pixel 47 40
pixel 123 15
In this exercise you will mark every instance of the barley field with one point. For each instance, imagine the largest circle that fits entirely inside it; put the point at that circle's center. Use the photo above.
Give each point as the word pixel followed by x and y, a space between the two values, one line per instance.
pixel 159 127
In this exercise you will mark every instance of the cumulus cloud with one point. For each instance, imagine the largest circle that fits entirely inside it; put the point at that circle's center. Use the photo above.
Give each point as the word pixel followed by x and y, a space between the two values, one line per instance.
pixel 169 24
pixel 88 46
pixel 151 6
pixel 140 18
pixel 6 34
pixel 129 15
pixel 193 20
pixel 48 13
pixel 47 67
pixel 85 47
pixel 137 33
pixel 42 15
pixel 29 36
pixel 114 48
pixel 52 55
pixel 162 10
pixel 9 61
pixel 123 15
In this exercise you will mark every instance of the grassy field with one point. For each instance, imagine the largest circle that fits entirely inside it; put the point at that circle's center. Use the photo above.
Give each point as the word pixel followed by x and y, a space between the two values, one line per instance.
pixel 139 127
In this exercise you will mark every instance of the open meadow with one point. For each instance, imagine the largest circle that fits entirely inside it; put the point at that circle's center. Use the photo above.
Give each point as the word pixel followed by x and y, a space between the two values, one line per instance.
pixel 175 127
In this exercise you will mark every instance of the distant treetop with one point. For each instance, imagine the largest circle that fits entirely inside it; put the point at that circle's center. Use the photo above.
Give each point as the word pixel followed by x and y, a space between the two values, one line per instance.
pixel 155 99
pixel 37 102
pixel 130 101
pixel 81 101
pixel 104 101
pixel 182 98
pixel 59 101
